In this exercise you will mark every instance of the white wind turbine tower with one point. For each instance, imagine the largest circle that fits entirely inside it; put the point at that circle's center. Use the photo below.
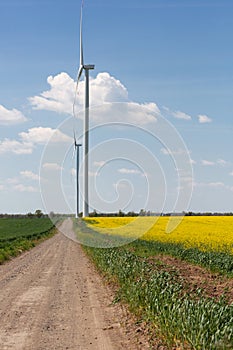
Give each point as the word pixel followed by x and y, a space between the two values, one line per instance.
pixel 76 149
pixel 86 68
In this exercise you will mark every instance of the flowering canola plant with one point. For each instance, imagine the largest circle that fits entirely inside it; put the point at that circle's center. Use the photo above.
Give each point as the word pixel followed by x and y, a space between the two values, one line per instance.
pixel 202 232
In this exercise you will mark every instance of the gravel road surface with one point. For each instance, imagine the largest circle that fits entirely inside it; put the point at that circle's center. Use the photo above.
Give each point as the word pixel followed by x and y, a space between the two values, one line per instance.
pixel 52 298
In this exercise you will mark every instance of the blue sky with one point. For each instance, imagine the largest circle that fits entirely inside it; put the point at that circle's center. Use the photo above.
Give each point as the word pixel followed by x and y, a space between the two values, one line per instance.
pixel 174 54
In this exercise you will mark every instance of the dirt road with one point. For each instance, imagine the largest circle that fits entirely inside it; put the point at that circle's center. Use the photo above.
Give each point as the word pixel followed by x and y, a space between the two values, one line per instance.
pixel 52 298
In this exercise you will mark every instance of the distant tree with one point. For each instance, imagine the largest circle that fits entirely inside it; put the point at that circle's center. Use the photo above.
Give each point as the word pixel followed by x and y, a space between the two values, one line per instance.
pixel 142 212
pixel 38 213
pixel 93 214
pixel 30 215
pixel 132 213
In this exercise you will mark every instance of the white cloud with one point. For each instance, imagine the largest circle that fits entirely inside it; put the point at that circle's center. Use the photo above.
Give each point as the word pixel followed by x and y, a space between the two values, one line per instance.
pixel 16 147
pixel 2 187
pixel 131 112
pixel 231 173
pixel 181 115
pixel 220 162
pixel 99 163
pixel 29 175
pixel 177 152
pixel 11 117
pixel 105 90
pixel 51 166
pixel 204 119
pixel 187 179
pixel 177 114
pixel 120 185
pixel 59 98
pixel 12 180
pixel 128 171
pixel 23 188
pixel 42 135
pixel 223 162
pixel 207 162
pixel 93 173
pixel 216 184
pixel 29 139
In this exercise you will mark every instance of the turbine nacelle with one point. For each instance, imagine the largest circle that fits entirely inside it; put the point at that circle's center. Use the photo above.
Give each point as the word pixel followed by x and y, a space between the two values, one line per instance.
pixel 88 66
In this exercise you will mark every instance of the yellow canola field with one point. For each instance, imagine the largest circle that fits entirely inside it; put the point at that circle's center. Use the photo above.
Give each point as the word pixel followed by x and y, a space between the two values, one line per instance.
pixel 203 232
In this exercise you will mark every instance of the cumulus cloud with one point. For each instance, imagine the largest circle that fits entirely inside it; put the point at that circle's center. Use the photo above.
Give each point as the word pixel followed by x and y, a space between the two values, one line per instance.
pixel 177 114
pixel 15 147
pixel 177 152
pixel 181 115
pixel 28 140
pixel 52 166
pixel 99 163
pixel 12 180
pixel 23 188
pixel 11 117
pixel 223 162
pixel 216 184
pixel 59 98
pixel 204 119
pixel 92 173
pixel 2 187
pixel 42 135
pixel 29 175
pixel 105 89
pixel 219 162
pixel 128 171
pixel 207 162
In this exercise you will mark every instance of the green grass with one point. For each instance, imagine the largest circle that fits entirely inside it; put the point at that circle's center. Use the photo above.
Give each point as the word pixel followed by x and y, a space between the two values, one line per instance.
pixel 18 235
pixel 13 228
pixel 159 298
pixel 216 261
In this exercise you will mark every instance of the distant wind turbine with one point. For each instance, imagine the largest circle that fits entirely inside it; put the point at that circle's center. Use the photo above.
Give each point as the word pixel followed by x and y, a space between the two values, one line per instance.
pixel 86 68
pixel 76 149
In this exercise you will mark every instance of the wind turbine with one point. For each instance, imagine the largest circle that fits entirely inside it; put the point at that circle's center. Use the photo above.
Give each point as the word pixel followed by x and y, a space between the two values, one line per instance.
pixel 76 148
pixel 86 68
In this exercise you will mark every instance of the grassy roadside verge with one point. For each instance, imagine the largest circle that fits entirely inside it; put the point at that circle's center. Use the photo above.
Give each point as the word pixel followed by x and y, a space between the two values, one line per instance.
pixel 215 261
pixel 159 298
pixel 16 245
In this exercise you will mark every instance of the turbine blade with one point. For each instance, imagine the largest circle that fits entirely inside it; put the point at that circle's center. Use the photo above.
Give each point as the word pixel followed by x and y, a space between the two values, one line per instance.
pixel 75 143
pixel 81 36
pixel 81 66
pixel 80 71
pixel 74 150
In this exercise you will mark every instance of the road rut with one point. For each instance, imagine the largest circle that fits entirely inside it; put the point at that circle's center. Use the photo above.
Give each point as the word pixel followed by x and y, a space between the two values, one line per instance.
pixel 52 298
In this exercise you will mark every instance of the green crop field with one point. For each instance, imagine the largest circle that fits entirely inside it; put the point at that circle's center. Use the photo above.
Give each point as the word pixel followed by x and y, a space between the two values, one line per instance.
pixel 19 234
pixel 181 289
pixel 12 228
